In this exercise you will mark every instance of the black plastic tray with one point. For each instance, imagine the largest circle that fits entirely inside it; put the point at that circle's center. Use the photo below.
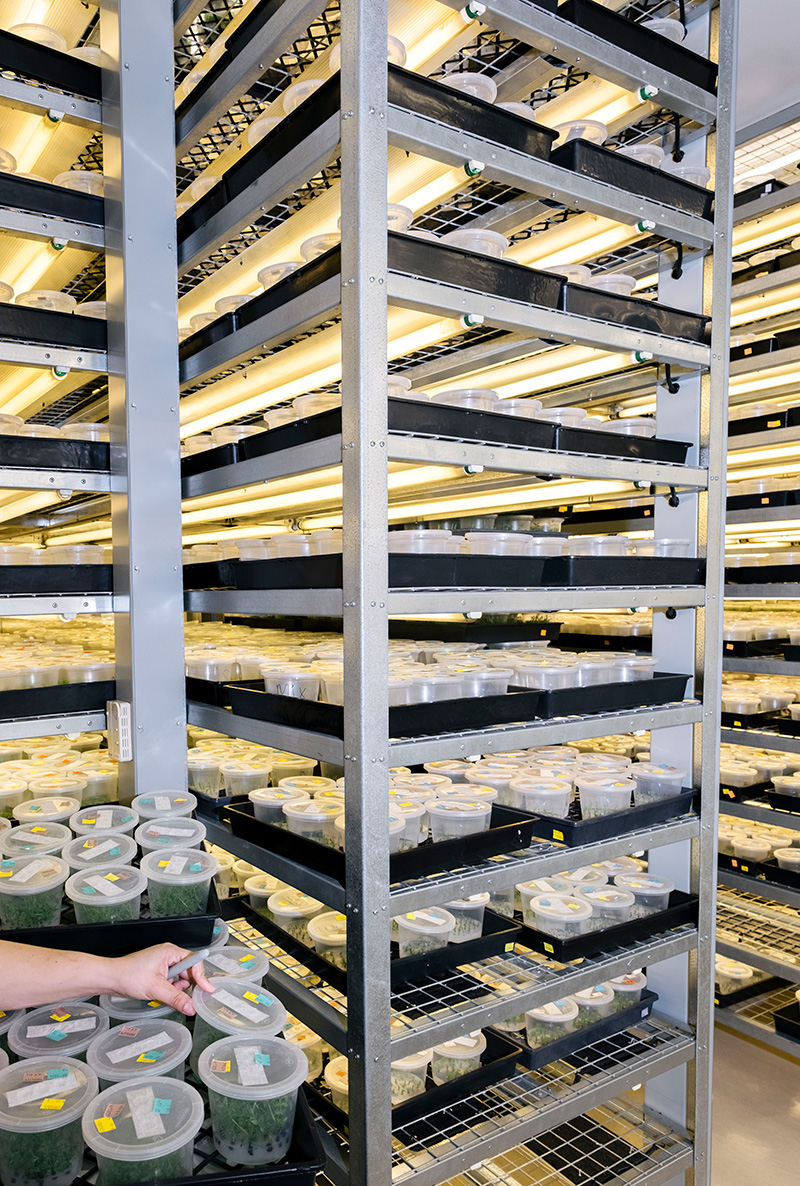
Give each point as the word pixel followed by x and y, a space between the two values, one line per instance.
pixel 770 574
pixel 46 326
pixel 580 1039
pixel 787 1021
pixel 623 172
pixel 415 92
pixel 474 632
pixel 506 834
pixel 754 502
pixel 497 1062
pixel 633 312
pixel 768 984
pixel 605 642
pixel 54 701
pixel 762 872
pixel 609 571
pixel 642 42
pixel 682 909
pixel 56 578
pixel 210 459
pixel 755 649
pixel 49 67
pixel 574 832
pixel 49 453
pixel 248 699
pixel 54 201
pixel 741 794
pixel 191 931
pixel 738 428
pixel 787 727
pixel 791 653
pixel 779 802
pixel 740 720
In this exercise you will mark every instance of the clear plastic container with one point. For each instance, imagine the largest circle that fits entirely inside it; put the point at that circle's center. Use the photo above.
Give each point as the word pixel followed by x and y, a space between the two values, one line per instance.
pixel 40 1141
pixel 178 881
pixel 585 875
pixel 102 785
pixel 788 858
pixel 656 782
pixel 526 408
pixel 66 1027
pixel 610 904
pixel 414 815
pixel 31 891
pixel 565 417
pixel 313 819
pixel 545 796
pixel 604 797
pixel 409 1076
pixel 549 1022
pixel 310 1043
pixel 730 976
pixel 167 834
pixel 144 1130
pixel 480 240
pixel 328 932
pixel 47 298
pixel 43 839
pixel 646 154
pixel 468 914
pixel 159 1047
pixel 273 273
pixel 291 911
pixel 252 1086
pixel 126 1011
pixel 237 1008
pixel 694 174
pixel 452 819
pixel 750 848
pixel 421 931
pixel 109 893
pixel 104 821
pixel 651 892
pixel 237 963
pixel 628 426
pixel 302 685
pixel 498 543
pixel 453 1059
pixel 596 545
pixel 159 804
pixel 560 916
pixel 318 245
pixel 745 775
pixel 428 541
pixel 740 704
pixel 337 1077
pixel 668 27
pixel 91 852
pixel 471 82
pixel 591 130
pixel 593 1005
pixel 268 802
pixel 627 989
pixel 573 273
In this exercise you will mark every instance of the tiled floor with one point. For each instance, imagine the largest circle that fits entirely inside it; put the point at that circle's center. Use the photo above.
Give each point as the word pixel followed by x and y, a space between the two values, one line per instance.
pixel 756 1134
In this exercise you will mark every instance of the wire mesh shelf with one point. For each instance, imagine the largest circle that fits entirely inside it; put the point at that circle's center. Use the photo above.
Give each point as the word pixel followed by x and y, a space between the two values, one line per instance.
pixel 755 925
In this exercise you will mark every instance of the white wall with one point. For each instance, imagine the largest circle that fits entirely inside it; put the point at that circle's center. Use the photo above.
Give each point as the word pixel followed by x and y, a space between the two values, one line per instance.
pixel 769 77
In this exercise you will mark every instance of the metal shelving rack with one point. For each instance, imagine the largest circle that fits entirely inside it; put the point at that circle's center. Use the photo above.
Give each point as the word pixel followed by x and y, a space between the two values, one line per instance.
pixel 676 1059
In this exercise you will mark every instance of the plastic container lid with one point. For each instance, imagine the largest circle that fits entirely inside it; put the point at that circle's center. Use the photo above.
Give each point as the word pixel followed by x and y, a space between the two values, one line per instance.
pixel 34 811
pixel 167 833
pixel 275 796
pixel 65 1028
pixel 428 922
pixel 23 1093
pixel 555 1011
pixel 126 1009
pixel 104 820
pixel 158 804
pixel 135 1122
pixel 179 866
pixel 330 928
pixel 87 852
pixel 466 1047
pixel 631 982
pixel 337 1075
pixel 600 994
pixel 469 808
pixel 253 1068
pixel 556 908
pixel 107 885
pixel 33 838
pixel 644 883
pixel 31 875
pixel 240 1007
pixel 237 962
pixel 152 1047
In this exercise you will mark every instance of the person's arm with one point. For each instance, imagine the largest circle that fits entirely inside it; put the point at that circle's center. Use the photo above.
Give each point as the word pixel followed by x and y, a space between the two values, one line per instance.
pixel 31 976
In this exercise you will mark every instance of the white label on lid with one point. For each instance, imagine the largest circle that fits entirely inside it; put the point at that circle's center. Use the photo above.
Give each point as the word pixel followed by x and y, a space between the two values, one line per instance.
pixel 32 838
pixel 141 1101
pixel 134 1049
pixel 224 964
pixel 470 1042
pixel 431 918
pixel 243 1008
pixel 162 803
pixel 99 850
pixel 107 888
pixel 582 874
pixel 104 819
pixel 31 870
pixel 78 1026
pixel 159 831
pixel 40 1091
pixel 176 865
pixel 250 1071
pixel 475 898
pixel 551 1010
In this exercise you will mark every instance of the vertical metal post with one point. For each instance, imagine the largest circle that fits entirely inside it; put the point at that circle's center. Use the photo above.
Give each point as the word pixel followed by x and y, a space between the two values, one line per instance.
pixel 709 530
pixel 141 271
pixel 365 502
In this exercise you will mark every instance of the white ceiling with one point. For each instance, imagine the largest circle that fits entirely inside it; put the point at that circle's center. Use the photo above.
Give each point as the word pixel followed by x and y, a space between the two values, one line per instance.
pixel 769 79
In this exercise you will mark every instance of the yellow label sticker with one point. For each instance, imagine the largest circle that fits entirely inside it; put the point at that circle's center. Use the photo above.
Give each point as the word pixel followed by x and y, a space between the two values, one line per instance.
pixel 738 724
pixel 52 1105
pixel 155 1004
pixel 549 947
pixel 251 996
pixel 60 1016
pixel 773 424
pixel 509 947
pixel 144 1058
pixel 6 872
pixel 112 877
pixel 163 864
pixel 89 821
pixel 558 835
pixel 716 1000
pixel 105 1124
pixel 39 829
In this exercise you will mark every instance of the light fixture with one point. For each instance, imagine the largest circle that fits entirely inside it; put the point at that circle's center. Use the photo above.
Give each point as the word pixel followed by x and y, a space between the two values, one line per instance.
pixel 583 237
pixel 543 371
pixel 594 99
pixel 89 534
pixel 212 537
pixel 761 232
pixel 766 304
pixel 766 380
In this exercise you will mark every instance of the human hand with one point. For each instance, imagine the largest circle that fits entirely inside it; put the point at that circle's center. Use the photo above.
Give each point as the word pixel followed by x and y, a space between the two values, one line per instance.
pixel 144 976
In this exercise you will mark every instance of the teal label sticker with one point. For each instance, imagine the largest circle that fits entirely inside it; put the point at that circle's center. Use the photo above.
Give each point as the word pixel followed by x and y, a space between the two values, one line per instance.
pixel 154 1055
pixel 162 1107
pixel 197 867
pixel 262 1059
pixel 264 1000
pixel 88 889
pixel 114 852
pixel 58 1073
pixel 56 1035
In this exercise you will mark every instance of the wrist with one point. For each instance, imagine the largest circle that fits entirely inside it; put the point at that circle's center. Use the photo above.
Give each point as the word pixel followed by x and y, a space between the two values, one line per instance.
pixel 111 974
